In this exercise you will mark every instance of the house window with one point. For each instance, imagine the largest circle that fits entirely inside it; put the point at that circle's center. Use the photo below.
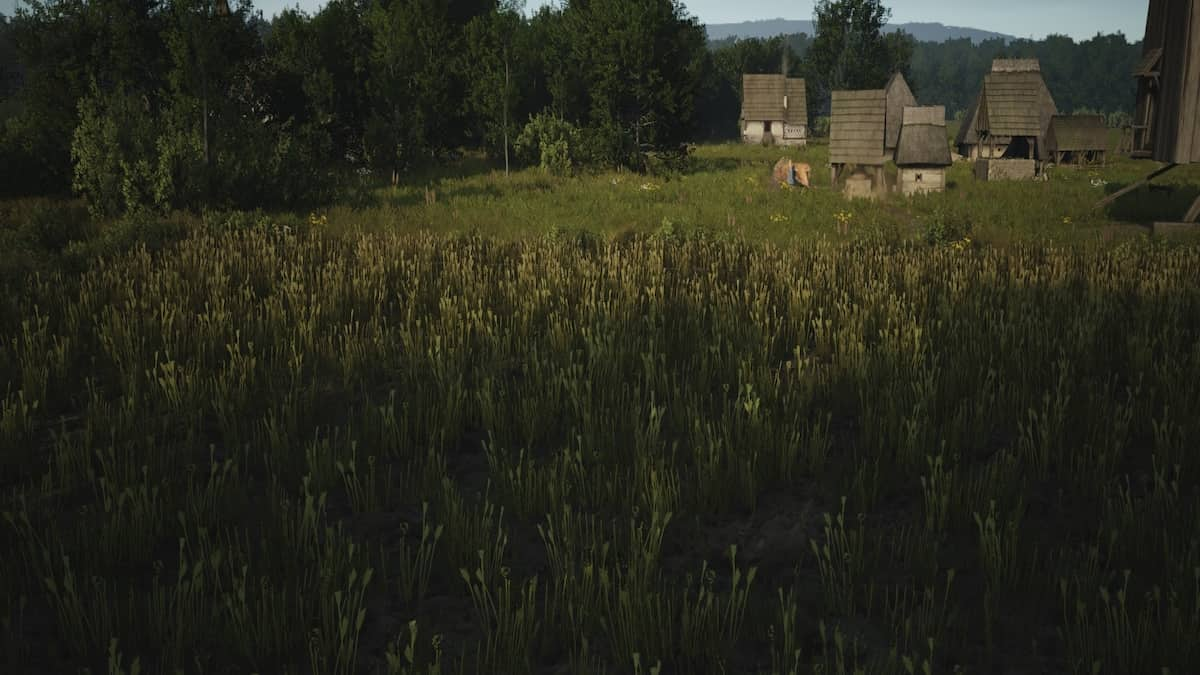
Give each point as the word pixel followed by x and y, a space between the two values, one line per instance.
pixel 767 127
pixel 919 177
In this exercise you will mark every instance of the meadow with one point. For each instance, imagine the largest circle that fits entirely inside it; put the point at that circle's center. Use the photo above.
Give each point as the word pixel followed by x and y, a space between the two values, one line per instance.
pixel 612 423
pixel 727 191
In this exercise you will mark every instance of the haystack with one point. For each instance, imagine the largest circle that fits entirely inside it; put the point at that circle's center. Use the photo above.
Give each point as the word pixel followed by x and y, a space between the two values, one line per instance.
pixel 800 172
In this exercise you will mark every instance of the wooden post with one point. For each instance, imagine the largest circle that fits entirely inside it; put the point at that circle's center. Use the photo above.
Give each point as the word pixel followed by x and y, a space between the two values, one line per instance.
pixel 1133 186
pixel 1193 214
pixel 506 111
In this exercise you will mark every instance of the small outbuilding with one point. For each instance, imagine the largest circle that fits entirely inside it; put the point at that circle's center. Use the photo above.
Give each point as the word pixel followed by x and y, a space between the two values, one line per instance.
pixel 774 110
pixel 1077 139
pixel 857 133
pixel 923 150
pixel 1010 116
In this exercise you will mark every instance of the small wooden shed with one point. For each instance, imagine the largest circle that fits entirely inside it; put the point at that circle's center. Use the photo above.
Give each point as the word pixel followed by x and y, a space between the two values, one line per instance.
pixel 1011 114
pixel 774 109
pixel 1079 139
pixel 857 132
pixel 899 96
pixel 923 151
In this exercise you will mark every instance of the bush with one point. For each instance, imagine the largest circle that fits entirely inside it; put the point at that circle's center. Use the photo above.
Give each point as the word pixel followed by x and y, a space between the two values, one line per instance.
pixel 112 151
pixel 550 142
pixel 942 228
pixel 819 127
pixel 128 160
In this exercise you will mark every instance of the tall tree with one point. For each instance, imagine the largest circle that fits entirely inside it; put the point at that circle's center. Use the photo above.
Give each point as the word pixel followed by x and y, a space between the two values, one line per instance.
pixel 64 47
pixel 499 74
pixel 850 50
pixel 631 70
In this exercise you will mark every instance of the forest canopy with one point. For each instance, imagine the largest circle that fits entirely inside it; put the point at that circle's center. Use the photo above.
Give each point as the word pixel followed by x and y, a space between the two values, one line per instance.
pixel 131 104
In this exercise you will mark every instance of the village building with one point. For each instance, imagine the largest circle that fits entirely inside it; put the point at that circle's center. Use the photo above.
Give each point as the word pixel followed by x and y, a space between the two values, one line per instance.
pixel 864 131
pixel 1077 139
pixel 923 150
pixel 857 133
pixel 1168 103
pixel 1167 122
pixel 1010 115
pixel 774 110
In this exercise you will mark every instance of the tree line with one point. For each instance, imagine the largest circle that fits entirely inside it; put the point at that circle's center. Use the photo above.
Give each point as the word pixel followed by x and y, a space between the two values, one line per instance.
pixel 188 104
pixel 1093 75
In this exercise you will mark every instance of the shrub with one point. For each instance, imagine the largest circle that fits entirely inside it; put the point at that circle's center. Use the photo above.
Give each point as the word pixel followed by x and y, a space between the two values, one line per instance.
pixel 550 142
pixel 112 151
pixel 943 227
pixel 128 160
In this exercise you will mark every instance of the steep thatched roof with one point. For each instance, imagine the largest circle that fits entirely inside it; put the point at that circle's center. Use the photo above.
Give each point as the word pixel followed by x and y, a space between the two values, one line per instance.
pixel 966 131
pixel 1015 104
pixel 1076 133
pixel 923 137
pixel 899 97
pixel 1016 66
pixel 856 127
pixel 1173 26
pixel 774 97
pixel 1014 101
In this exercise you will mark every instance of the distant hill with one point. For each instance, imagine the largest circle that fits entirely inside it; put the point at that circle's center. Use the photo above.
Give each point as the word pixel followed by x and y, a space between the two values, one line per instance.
pixel 923 32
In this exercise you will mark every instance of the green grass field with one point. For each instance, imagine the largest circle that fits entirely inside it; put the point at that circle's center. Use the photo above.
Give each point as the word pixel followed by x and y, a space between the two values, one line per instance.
pixel 450 432
pixel 728 191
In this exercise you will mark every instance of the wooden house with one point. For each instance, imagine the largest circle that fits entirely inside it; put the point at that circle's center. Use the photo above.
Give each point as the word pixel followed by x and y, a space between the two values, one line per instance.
pixel 1010 115
pixel 1079 139
pixel 923 151
pixel 774 110
pixel 1167 117
pixel 857 132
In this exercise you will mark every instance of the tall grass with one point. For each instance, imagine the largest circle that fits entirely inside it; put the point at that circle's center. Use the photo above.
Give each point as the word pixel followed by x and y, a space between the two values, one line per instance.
pixel 262 450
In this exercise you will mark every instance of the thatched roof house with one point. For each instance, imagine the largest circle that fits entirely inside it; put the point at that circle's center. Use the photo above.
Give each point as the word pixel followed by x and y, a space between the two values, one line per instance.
pixel 774 109
pixel 857 129
pixel 923 151
pixel 1010 115
pixel 1077 138
pixel 1167 120
pixel 899 96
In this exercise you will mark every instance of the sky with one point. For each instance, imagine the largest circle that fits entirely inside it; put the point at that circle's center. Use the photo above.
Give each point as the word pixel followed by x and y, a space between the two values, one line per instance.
pixel 1080 19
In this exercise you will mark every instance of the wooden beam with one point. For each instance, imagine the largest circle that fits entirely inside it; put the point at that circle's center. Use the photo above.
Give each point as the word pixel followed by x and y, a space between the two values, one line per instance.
pixel 1193 214
pixel 1132 186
